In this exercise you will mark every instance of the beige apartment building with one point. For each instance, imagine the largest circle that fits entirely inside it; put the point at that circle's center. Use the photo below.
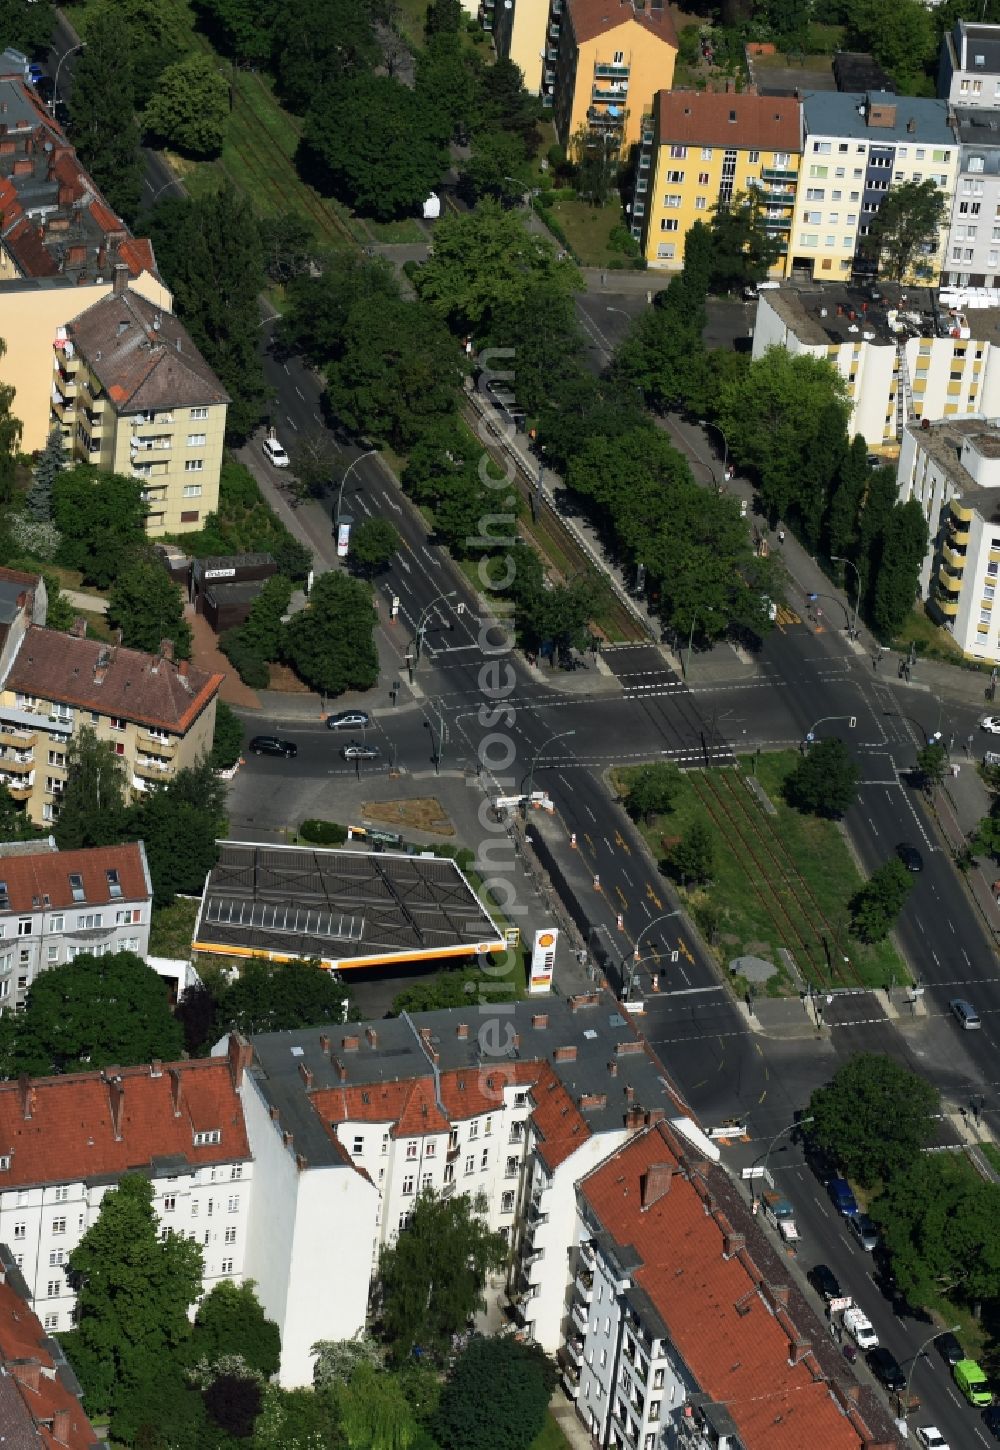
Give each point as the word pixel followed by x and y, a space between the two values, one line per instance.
pixel 133 395
pixel 158 714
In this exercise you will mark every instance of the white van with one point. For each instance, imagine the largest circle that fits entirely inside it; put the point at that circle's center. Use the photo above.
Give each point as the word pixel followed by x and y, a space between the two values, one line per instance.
pixel 860 1328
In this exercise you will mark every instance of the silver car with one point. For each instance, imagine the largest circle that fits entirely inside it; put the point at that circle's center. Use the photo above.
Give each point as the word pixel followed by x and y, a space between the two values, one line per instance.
pixel 964 1013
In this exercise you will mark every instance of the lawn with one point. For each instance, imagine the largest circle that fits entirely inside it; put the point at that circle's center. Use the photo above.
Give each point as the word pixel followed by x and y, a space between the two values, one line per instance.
pixel 932 641
pixel 796 898
pixel 587 228
pixel 172 928
pixel 551 1437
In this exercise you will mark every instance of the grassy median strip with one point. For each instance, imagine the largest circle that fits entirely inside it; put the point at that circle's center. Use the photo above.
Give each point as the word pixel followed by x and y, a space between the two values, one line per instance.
pixel 781 881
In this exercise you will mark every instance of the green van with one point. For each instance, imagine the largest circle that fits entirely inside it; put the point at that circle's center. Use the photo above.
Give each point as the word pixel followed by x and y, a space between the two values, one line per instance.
pixel 972 1382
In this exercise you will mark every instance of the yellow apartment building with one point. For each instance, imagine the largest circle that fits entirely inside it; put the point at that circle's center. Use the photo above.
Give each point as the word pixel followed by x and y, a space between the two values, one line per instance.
pixel 133 395
pixel 612 56
pixel 699 150
pixel 857 146
pixel 158 715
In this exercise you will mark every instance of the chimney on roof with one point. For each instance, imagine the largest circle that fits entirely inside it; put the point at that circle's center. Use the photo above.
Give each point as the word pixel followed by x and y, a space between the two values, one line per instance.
pixel 78 629
pixel 324 1043
pixel 120 279
pixel 60 1426
pixel 565 1054
pixel 176 1090
pixel 629 1046
pixel 182 668
pixel 634 1118
pixel 350 1044
pixel 26 1096
pixel 287 1138
pixel 27 1372
pixel 462 1032
pixel 612 1068
pixel 306 1075
pixel 583 999
pixel 629 1093
pixel 732 1241
pixel 240 1055
pixel 656 1183
pixel 780 1293
pixel 167 649
pixel 592 1100
pixel 341 1069
pixel 275 1112
pixel 116 1097
pixel 539 1020
pixel 155 1067
pixel 371 1037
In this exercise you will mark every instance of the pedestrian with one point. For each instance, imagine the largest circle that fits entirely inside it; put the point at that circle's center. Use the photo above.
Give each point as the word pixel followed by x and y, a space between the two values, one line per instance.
pixel 781 536
pixel 604 279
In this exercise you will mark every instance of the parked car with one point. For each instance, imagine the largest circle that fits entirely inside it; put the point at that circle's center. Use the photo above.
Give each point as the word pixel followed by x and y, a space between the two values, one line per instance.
pixel 349 720
pixel 860 1328
pixel 991 724
pixel 930 1437
pixel 357 751
pixel 864 1231
pixel 910 856
pixel 272 745
pixel 825 1282
pixel 965 1014
pixel 842 1195
pixel 273 451
pixel 972 1382
pixel 949 1348
pixel 886 1368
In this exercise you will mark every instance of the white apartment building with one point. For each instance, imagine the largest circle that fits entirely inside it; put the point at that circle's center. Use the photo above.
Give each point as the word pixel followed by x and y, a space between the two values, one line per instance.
pixel 65 1141
pixel 348 1126
pixel 56 905
pixel 969 67
pixel 972 255
pixel 685 1330
pixel 857 146
pixel 902 353
pixel 952 469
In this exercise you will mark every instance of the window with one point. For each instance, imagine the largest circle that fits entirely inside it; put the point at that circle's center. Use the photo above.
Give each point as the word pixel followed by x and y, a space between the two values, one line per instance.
pixel 427 1180
pixel 411 1148
pixel 56 1258
pixel 678 153
pixel 359 1144
pixel 57 757
pixel 385 1143
pixel 132 916
pixel 484 1161
pixel 194 465
pixel 510 1170
pixel 675 178
pixel 619 57
pixel 52 1321
pixel 815 193
pixel 194 1208
pixel 672 200
pixel 520 1100
pixel 4 1162
pixel 117 723
pixel 21 1230
pixel 89 921
pixel 53 1289
pixel 668 224
pixel 706 153
pixel 700 203
pixel 192 490
pixel 230 1236
pixel 196 440
pixel 197 413
pixel 821 148
pixel 470 1164
pixel 408 1183
pixel 234 1203
pixel 227 1266
pixel 507 1201
pixel 703 178
pixel 473 1129
pixel 24 926
pixel 189 516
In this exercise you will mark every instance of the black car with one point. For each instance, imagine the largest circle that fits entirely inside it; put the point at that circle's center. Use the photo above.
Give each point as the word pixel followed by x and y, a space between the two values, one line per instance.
pixel 885 1367
pixel 910 856
pixel 271 745
pixel 349 720
pixel 825 1282
pixel 949 1348
pixel 991 1419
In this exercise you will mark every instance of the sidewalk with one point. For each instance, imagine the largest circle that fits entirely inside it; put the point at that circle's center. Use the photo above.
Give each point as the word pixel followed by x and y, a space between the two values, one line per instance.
pixel 958 807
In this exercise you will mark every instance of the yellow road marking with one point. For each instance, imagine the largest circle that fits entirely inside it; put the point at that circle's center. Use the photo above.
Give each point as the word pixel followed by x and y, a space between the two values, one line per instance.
pixel 620 841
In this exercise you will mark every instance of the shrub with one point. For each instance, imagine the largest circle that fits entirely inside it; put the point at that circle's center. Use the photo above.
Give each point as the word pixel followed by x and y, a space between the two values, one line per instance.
pixel 323 833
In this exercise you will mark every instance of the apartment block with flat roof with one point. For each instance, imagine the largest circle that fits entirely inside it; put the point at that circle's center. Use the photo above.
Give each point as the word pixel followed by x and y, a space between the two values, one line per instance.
pixel 972 255
pixel 969 65
pixel 133 395
pixel 158 714
pixel 857 146
pixel 701 150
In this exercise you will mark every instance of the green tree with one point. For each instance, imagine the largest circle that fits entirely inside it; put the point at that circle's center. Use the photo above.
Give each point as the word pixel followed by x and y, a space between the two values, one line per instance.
pixel 374 1411
pixel 51 461
pixel 397 373
pixel 874 525
pixel 210 252
pixel 102 113
pixel 316 45
pixel 693 858
pixel 825 781
pixel 255 643
pixel 743 250
pixel 330 644
pixel 296 1420
pixel 10 437
pixel 446 83
pixel 92 811
pixel 133 1292
pixel 316 462
pixel 663 352
pixel 179 824
pixel 279 997
pixel 374 144
pixel 289 245
pixel 374 543
pixel 932 765
pixel 503 104
pixel 847 493
pixel 496 169
pixel 876 906
pixel 431 1280
pixel 541 327
pixel 899 34
pixel 452 987
pixel 906 232
pixel 486 259
pixel 189 109
pixel 317 308
pixel 227 738
pixel 819 472
pixel 147 606
pixel 939 1224
pixel 100 518
pixel 652 790
pixel 94 1012
pixel 231 1324
pixel 243 29
pixel 873 1117
pixel 898 577
pixel 15 825
pixel 337 1359
pixel 496 1398
pixel 444 17
pixel 770 415
pixel 26 25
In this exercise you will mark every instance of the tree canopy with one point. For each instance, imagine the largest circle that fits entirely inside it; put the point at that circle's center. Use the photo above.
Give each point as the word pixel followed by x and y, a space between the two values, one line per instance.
pixel 190 106
pixel 496 1397
pixel 906 232
pixel 873 1117
pixel 148 607
pixel 102 113
pixel 331 644
pixel 100 517
pixel 825 781
pixel 230 1322
pixel 881 899
pixel 652 790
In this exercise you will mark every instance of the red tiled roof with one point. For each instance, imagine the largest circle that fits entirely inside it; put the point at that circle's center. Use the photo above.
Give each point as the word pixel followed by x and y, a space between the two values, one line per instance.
pixel 18 576
pixel 69 1133
pixel 558 1121
pixel 410 1108
pixel 134 686
pixel 591 18
pixel 31 1373
pixel 739 1357
pixel 43 877
pixel 747 121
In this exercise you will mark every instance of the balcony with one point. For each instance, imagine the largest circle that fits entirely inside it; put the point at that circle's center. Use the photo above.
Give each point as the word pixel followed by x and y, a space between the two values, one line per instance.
pixel 606 97
pixel 784 198
pixel 64 384
pixel 777 224
pixel 453 1153
pixel 19 787
pixel 943 604
pixel 768 173
pixel 587 1253
pixel 149 769
pixel 19 739
pixel 554 31
pixel 584 1285
pixel 578 1314
pixel 20 764
pixel 156 744
pixel 574 1350
pixel 954 557
pixel 948 579
pixel 571 1380
pixel 604 120
pixel 612 73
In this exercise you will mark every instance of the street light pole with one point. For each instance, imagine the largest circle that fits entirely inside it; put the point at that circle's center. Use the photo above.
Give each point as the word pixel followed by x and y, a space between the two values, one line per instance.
pixel 439 750
pixel 560 735
pixel 347 473
pixel 789 1128
pixel 839 559
pixel 810 735
pixel 55 83
pixel 953 1329
pixel 418 638
pixel 687 666
pixel 635 950
pixel 706 423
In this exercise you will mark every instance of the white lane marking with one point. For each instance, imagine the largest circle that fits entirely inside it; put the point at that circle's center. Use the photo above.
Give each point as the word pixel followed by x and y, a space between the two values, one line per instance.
pixel 300 392
pixel 292 423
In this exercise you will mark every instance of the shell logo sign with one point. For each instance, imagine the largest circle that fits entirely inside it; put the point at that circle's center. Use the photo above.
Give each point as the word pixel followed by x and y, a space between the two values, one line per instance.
pixel 543 959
